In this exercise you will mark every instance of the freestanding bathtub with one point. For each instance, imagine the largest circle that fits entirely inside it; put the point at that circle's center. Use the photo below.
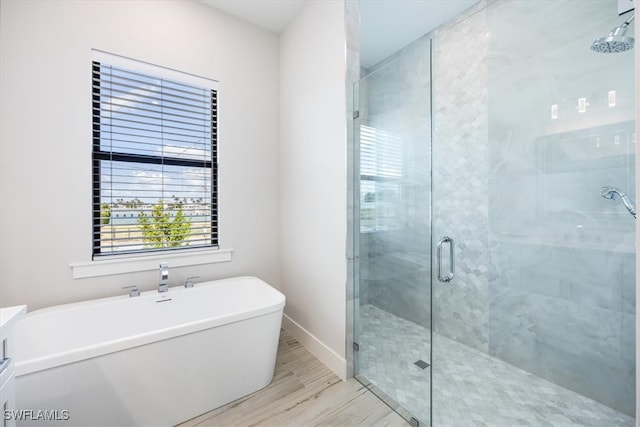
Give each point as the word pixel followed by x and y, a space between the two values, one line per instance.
pixel 153 360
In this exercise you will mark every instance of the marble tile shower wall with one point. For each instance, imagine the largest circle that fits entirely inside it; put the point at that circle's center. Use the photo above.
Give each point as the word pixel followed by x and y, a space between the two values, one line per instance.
pixel 545 266
pixel 395 264
pixel 461 181
pixel 562 258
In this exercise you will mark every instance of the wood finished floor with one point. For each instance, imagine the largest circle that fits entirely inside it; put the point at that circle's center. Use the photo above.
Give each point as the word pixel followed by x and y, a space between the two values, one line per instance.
pixel 303 393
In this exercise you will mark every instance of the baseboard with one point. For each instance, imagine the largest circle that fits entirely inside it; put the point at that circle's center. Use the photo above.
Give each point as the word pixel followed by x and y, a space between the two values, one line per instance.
pixel 328 357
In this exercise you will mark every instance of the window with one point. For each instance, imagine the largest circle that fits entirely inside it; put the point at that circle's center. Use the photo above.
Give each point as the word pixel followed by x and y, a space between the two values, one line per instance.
pixel 380 179
pixel 154 158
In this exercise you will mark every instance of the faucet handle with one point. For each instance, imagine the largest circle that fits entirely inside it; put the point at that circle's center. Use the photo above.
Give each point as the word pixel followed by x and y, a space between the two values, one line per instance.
pixel 189 282
pixel 164 272
pixel 164 269
pixel 134 291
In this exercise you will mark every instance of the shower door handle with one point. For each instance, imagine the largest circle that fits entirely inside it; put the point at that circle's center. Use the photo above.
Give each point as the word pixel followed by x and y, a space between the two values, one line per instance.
pixel 452 273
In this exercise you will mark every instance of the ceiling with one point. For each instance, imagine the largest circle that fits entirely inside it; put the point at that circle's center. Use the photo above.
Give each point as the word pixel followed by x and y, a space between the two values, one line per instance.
pixel 272 15
pixel 386 25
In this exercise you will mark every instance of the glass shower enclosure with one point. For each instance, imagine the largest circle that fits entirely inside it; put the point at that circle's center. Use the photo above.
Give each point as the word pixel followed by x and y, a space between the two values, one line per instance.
pixel 496 278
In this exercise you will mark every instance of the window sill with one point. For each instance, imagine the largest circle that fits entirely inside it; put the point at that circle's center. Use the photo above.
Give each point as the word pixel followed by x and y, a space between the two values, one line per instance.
pixel 120 265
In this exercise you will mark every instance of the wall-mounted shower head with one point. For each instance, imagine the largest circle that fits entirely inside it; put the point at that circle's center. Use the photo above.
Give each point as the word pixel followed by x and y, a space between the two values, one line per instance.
pixel 616 41
pixel 610 193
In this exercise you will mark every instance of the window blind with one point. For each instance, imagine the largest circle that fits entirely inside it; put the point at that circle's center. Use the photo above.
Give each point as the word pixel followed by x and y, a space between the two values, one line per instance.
pixel 154 162
pixel 381 162
pixel 380 154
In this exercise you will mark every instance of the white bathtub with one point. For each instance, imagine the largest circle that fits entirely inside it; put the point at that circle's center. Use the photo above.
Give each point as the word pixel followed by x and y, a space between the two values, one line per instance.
pixel 153 360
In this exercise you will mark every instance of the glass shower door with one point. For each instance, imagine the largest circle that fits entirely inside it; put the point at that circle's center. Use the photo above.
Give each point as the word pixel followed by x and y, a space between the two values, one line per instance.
pixel 393 295
pixel 537 325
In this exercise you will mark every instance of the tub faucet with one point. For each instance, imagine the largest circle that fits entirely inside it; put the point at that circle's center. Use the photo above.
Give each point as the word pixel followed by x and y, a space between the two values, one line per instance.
pixel 163 286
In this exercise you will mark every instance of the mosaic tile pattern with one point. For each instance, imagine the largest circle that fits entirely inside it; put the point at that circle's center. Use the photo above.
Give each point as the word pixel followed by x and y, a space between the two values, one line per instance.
pixel 545 266
pixel 471 388
pixel 460 178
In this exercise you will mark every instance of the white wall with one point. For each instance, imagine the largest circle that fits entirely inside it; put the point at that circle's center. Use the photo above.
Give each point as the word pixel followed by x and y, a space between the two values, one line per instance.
pixel 293 90
pixel 313 182
pixel 45 152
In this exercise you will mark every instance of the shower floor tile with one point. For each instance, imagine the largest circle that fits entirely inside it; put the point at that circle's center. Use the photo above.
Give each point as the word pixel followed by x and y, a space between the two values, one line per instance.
pixel 471 388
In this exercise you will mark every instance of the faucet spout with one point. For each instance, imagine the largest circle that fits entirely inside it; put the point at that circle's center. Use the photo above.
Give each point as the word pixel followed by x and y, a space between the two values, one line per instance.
pixel 163 285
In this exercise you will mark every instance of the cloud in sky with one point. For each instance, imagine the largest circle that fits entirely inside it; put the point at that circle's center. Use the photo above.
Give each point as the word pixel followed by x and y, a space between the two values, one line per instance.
pixel 147 177
pixel 150 182
pixel 188 152
pixel 194 178
pixel 124 102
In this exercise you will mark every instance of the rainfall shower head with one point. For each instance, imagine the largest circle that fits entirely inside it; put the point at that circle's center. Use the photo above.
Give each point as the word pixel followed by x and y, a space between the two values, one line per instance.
pixel 616 41
pixel 610 193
